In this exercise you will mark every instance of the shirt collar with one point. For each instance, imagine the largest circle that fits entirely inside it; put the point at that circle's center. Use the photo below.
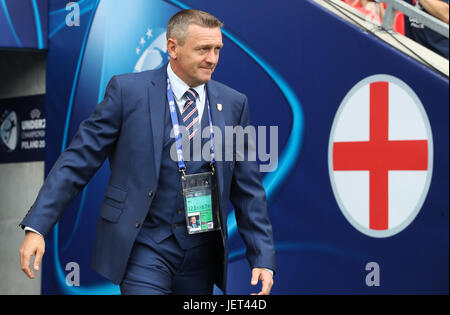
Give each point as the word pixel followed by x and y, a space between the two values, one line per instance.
pixel 179 87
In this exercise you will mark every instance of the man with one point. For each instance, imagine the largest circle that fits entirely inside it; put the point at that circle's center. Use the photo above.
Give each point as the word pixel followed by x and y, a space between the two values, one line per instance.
pixel 424 35
pixel 194 223
pixel 142 241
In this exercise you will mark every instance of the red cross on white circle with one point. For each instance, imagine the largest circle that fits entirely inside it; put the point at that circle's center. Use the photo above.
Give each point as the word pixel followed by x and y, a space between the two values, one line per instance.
pixel 376 158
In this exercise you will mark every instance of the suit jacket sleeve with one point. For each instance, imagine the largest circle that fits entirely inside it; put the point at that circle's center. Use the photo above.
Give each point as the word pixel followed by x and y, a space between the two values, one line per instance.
pixel 249 199
pixel 79 162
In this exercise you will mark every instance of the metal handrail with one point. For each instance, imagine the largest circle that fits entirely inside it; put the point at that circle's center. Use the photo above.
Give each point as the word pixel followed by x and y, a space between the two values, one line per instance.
pixel 421 16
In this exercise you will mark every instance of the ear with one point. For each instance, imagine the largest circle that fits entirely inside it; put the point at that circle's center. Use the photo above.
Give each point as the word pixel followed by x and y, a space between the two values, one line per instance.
pixel 172 48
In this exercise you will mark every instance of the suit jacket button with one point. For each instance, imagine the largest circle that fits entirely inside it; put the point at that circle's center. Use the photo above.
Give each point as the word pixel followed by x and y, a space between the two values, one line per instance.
pixel 175 225
pixel 150 193
pixel 138 224
pixel 179 211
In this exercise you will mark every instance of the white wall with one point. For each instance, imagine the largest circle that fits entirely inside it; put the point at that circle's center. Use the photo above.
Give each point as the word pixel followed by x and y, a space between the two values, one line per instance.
pixel 22 73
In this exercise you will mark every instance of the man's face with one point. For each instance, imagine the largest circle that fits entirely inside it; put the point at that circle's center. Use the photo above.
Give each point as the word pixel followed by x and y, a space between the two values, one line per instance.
pixel 196 60
pixel 193 220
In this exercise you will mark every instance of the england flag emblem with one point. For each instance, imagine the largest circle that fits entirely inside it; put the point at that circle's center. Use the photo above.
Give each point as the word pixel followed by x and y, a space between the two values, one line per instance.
pixel 380 156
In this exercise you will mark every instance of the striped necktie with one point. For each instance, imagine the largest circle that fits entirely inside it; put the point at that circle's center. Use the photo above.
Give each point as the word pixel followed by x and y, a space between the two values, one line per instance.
pixel 190 113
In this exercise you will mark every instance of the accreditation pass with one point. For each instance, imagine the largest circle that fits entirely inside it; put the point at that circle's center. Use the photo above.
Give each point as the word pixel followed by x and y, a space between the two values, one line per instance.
pixel 198 201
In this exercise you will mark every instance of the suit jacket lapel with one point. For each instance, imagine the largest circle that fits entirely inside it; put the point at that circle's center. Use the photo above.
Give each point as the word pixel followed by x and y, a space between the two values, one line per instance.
pixel 217 121
pixel 157 101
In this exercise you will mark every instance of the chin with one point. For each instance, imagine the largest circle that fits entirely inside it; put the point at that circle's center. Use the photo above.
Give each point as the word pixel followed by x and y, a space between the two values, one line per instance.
pixel 203 80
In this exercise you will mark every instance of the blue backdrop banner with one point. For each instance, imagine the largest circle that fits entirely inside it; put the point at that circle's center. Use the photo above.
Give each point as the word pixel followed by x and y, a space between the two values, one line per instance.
pixel 359 198
pixel 23 23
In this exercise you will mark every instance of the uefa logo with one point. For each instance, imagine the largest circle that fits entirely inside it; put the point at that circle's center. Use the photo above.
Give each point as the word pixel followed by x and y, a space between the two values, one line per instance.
pixel 152 50
pixel 9 131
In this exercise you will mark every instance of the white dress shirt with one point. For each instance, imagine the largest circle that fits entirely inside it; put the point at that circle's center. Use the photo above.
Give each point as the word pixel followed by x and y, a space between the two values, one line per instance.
pixel 179 88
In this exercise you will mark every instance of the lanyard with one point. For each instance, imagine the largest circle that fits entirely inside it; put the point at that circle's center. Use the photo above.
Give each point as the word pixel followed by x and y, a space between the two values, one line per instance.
pixel 178 137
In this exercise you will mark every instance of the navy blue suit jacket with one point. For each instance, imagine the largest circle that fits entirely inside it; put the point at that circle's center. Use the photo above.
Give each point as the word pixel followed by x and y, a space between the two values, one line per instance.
pixel 127 128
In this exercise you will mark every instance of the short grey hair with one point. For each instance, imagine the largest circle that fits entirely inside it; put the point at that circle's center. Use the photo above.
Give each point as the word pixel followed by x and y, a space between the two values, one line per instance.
pixel 178 24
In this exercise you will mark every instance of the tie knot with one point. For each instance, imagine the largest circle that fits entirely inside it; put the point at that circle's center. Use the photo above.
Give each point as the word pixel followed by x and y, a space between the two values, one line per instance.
pixel 191 94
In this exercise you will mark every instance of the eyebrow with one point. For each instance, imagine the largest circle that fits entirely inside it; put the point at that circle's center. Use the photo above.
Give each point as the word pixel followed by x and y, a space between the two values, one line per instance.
pixel 208 45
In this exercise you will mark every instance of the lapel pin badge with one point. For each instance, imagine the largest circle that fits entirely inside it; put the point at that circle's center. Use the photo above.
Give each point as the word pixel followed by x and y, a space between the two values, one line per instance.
pixel 219 107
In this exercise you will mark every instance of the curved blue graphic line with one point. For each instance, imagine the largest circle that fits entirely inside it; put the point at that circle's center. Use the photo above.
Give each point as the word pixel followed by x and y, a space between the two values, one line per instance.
pixel 292 246
pixel 106 288
pixel 75 79
pixel 37 20
pixel 292 149
pixel 85 190
pixel 101 86
pixel 11 26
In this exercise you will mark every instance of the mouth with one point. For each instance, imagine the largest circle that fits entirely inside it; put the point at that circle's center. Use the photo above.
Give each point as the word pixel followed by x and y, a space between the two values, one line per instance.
pixel 207 69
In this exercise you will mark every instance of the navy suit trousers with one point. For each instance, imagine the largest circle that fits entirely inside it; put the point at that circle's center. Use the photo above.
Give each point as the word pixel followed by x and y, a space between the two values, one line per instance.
pixel 165 268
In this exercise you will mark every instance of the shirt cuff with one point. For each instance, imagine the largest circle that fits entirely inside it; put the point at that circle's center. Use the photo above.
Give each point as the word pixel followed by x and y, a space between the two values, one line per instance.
pixel 269 270
pixel 26 229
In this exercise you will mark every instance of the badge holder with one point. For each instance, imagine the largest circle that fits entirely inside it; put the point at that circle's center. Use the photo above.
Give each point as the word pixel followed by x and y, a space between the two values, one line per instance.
pixel 201 202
